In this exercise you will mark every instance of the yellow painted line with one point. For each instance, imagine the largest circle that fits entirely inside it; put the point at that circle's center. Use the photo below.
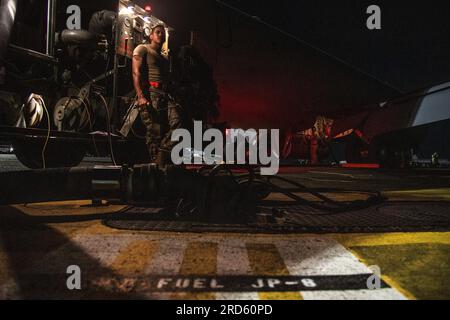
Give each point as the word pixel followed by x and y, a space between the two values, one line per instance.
pixel 72 208
pixel 5 268
pixel 368 240
pixel 200 258
pixel 265 260
pixel 99 229
pixel 343 196
pixel 440 194
pixel 134 258
pixel 415 264
pixel 365 240
pixel 81 207
pixel 391 282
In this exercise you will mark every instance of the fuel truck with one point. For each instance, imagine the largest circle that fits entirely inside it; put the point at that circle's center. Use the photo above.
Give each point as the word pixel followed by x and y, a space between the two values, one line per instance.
pixel 65 80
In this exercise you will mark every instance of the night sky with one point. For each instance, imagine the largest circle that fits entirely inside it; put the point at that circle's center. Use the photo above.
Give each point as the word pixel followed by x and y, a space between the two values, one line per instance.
pixel 411 51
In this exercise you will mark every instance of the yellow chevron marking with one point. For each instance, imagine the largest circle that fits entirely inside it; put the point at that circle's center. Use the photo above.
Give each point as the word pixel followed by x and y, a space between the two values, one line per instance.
pixel 440 194
pixel 266 260
pixel 200 258
pixel 134 258
pixel 358 240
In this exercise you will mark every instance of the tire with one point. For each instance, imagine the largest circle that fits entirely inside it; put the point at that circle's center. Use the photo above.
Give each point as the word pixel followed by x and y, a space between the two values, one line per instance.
pixel 57 154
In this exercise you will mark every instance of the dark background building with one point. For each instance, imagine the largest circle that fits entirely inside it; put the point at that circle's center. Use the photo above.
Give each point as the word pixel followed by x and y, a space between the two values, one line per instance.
pixel 330 63
pixel 268 78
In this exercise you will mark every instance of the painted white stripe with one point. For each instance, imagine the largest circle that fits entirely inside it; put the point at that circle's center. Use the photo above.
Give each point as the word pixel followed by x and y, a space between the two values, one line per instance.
pixel 319 256
pixel 167 262
pixel 232 259
pixel 168 258
pixel 314 255
pixel 325 256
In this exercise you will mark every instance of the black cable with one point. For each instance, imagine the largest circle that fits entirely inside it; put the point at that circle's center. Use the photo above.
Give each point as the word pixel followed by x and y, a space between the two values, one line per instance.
pixel 108 124
pixel 90 120
pixel 335 208
pixel 303 188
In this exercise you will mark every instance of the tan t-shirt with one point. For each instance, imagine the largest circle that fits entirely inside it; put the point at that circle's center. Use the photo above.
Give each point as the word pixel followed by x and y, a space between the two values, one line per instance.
pixel 157 64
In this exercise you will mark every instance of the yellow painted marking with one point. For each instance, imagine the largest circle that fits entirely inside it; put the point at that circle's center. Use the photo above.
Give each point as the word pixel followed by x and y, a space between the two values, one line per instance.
pixel 393 284
pixel 307 196
pixel 402 277
pixel 358 240
pixel 99 229
pixel 265 260
pixel 81 207
pixel 442 194
pixel 5 271
pixel 72 208
pixel 134 258
pixel 200 258
pixel 416 264
pixel 419 271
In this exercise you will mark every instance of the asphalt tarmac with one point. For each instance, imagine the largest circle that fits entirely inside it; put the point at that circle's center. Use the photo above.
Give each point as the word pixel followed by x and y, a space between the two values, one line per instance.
pixel 46 248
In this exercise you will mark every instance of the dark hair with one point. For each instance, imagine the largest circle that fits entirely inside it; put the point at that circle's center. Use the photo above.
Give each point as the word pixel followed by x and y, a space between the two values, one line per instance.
pixel 157 26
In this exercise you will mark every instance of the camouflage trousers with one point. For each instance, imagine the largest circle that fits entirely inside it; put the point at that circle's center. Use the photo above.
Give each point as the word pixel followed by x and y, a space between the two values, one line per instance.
pixel 160 118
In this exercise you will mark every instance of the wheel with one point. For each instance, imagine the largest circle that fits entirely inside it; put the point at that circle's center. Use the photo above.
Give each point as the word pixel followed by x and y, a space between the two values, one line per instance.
pixel 57 154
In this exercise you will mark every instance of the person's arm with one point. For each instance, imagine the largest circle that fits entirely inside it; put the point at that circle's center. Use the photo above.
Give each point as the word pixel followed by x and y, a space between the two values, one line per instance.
pixel 137 66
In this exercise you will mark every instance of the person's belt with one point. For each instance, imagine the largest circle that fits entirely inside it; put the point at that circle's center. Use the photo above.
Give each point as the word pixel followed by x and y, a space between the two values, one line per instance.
pixel 156 85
